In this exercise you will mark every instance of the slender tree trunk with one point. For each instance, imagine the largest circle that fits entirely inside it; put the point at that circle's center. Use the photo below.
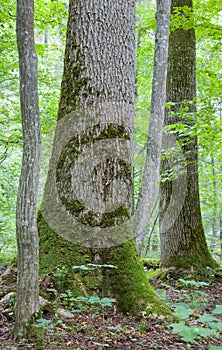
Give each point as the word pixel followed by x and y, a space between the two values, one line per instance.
pixel 27 295
pixel 150 177
pixel 147 248
pixel 215 198
pixel 183 241
pixel 88 195
pixel 220 238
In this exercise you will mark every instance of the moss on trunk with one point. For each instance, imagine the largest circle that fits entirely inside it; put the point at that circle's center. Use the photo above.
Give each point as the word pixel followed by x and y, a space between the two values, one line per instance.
pixel 196 259
pixel 128 283
pixel 59 255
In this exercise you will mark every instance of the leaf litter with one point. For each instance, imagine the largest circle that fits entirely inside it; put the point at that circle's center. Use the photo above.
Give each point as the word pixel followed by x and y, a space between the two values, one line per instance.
pixel 108 328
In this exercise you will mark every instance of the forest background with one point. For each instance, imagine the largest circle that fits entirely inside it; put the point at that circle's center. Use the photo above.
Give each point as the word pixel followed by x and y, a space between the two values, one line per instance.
pixel 50 30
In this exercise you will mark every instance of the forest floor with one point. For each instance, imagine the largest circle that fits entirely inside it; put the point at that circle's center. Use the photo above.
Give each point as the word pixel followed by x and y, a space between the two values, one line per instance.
pixel 100 327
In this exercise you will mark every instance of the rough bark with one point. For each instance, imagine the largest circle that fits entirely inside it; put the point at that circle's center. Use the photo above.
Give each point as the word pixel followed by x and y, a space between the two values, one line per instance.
pixel 27 295
pixel 183 241
pixel 88 195
pixel 150 177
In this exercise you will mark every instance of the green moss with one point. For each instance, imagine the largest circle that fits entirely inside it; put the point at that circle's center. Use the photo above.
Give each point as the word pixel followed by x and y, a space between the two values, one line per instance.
pixel 115 217
pixel 74 80
pixel 129 284
pixel 44 295
pixel 150 263
pixel 35 334
pixel 194 253
pixel 57 253
pixel 74 207
pixel 114 131
pixel 154 274
pixel 89 219
pixel 191 259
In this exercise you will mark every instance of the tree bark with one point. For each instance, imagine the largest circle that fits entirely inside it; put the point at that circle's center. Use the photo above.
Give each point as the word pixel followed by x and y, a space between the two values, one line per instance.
pixel 215 211
pixel 183 241
pixel 220 238
pixel 27 295
pixel 150 177
pixel 87 201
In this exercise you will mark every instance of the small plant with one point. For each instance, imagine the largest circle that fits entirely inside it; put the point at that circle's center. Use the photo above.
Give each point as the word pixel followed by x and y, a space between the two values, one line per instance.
pixel 194 292
pixel 210 325
pixel 193 284
pixel 83 303
pixel 67 299
pixel 95 300
pixel 43 324
pixel 143 326
pixel 60 271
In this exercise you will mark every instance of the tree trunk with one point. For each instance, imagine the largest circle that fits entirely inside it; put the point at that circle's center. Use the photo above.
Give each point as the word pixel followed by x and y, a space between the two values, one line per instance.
pixel 27 295
pixel 220 238
pixel 150 177
pixel 183 242
pixel 88 195
pixel 215 214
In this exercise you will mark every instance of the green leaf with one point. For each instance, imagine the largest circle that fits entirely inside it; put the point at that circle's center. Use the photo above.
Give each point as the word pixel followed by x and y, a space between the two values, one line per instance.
pixel 182 312
pixel 81 298
pixel 94 299
pixel 107 301
pixel 193 283
pixel 207 318
pixel 217 310
pixel 43 323
pixel 217 325
pixel 206 332
pixel 187 333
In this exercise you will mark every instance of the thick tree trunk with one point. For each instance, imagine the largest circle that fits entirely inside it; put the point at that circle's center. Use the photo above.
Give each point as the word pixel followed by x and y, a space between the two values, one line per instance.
pixel 88 195
pixel 149 187
pixel 27 295
pixel 183 242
